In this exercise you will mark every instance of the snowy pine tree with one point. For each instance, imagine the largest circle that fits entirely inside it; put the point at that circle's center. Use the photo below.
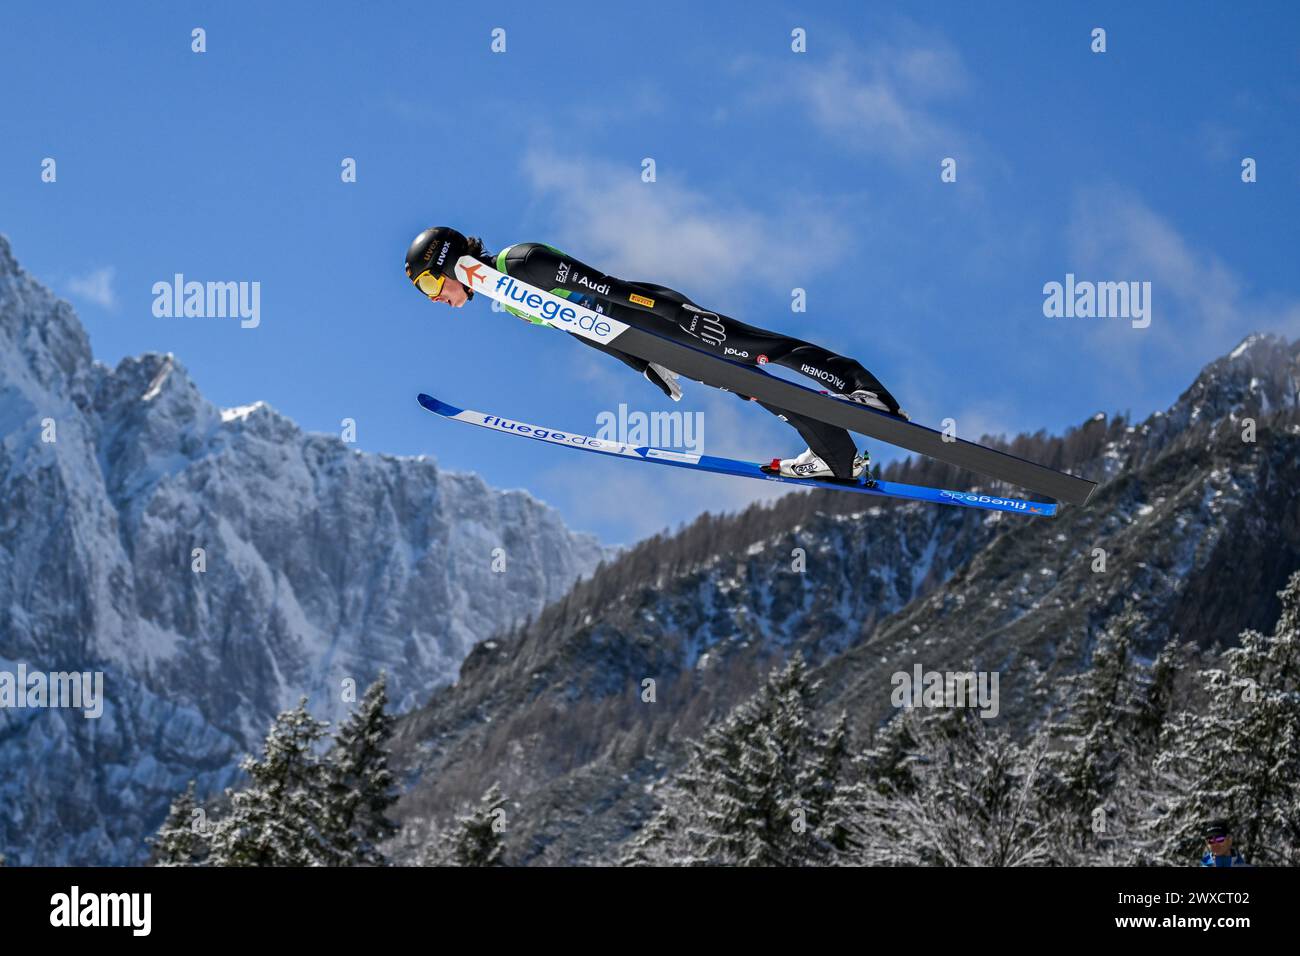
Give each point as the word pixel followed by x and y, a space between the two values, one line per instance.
pixel 1139 792
pixel 477 839
pixel 881 774
pixel 835 804
pixel 1155 705
pixel 888 766
pixel 178 842
pixel 653 844
pixel 977 801
pixel 762 788
pixel 280 819
pixel 1240 759
pixel 360 786
pixel 1100 720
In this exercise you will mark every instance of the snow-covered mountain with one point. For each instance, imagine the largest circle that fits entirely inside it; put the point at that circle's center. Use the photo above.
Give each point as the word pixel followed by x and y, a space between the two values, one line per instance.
pixel 318 563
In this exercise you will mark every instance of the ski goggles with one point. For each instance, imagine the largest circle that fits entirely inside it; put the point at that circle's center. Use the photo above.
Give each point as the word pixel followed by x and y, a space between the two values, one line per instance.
pixel 430 284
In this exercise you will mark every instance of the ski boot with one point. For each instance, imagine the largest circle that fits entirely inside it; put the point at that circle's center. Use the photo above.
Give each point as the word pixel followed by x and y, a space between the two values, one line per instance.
pixel 809 465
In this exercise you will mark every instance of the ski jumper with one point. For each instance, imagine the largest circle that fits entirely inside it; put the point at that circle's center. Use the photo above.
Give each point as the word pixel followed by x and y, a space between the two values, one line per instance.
pixel 548 268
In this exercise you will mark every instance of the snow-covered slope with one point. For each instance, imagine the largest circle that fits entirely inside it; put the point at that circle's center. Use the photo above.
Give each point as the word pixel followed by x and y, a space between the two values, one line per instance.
pixel 320 564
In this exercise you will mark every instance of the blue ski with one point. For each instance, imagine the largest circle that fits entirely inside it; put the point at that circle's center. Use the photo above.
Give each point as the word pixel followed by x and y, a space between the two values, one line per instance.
pixel 730 466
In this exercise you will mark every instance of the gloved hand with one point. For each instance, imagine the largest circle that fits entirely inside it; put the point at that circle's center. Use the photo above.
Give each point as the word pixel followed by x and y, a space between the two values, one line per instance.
pixel 705 326
pixel 665 379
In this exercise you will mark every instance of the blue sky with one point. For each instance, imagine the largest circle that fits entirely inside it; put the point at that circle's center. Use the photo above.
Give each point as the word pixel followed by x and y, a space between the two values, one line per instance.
pixel 774 170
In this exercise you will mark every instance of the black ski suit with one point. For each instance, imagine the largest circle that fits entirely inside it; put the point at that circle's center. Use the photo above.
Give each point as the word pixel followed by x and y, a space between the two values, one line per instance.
pixel 548 268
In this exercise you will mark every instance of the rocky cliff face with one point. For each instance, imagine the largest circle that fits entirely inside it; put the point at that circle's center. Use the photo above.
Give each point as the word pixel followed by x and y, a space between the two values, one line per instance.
pixel 318 563
pixel 1195 522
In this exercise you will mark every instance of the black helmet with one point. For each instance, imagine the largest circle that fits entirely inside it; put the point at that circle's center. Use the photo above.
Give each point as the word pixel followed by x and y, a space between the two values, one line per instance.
pixel 436 251
pixel 1213 829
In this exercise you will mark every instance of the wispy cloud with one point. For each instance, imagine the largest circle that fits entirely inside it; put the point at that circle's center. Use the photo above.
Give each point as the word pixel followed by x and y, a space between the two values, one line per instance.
pixel 671 232
pixel 95 287
pixel 1220 143
pixel 1199 306
pixel 871 113
pixel 885 99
